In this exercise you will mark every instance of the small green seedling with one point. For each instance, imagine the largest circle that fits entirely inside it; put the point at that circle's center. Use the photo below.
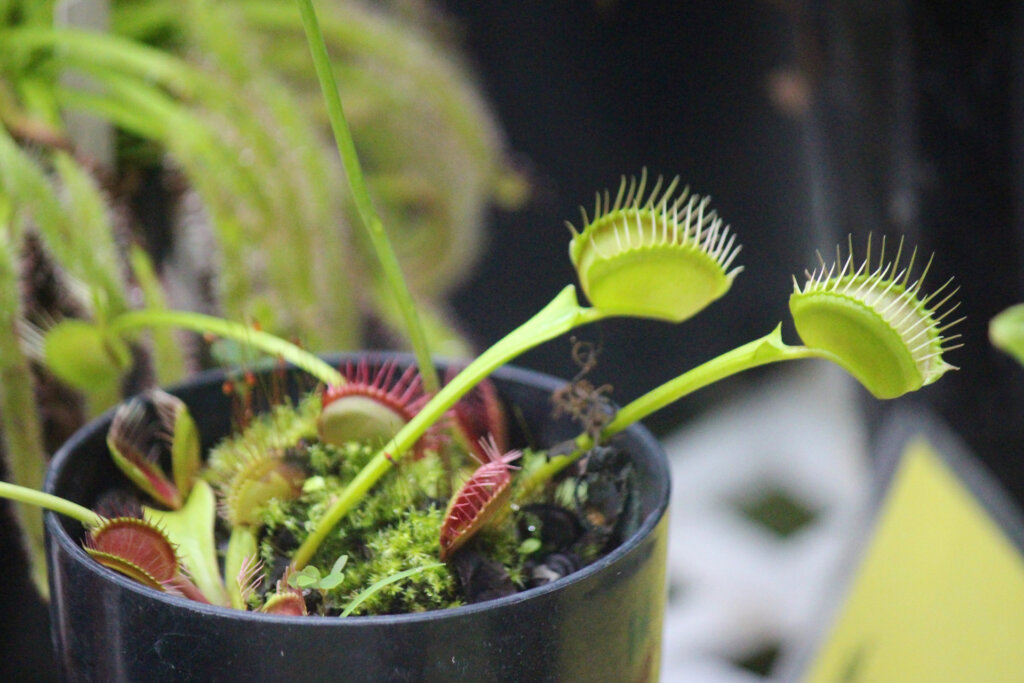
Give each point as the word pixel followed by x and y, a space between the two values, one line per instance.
pixel 309 578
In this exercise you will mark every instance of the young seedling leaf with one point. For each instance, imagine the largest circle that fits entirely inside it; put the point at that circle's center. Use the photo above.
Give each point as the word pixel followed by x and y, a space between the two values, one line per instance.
pixel 309 577
pixel 331 581
pixel 339 564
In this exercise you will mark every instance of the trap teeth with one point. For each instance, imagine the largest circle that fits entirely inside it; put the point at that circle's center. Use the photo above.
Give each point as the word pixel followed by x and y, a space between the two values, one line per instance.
pixel 875 321
pixel 666 256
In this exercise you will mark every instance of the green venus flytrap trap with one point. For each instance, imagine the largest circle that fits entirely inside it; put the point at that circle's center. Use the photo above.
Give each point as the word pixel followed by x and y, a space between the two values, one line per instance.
pixel 411 480
pixel 877 322
pixel 665 257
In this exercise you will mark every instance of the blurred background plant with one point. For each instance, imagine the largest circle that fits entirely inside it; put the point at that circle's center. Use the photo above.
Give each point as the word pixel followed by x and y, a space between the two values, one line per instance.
pixel 174 154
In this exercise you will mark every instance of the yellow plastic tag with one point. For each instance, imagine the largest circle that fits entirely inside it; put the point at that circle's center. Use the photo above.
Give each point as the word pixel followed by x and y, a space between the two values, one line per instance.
pixel 939 595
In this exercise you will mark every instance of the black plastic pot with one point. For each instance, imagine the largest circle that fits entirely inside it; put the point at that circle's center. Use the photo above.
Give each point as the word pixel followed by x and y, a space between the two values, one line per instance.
pixel 602 623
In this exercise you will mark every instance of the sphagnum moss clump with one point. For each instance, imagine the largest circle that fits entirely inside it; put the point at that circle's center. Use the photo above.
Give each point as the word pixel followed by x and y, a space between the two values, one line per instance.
pixel 395 529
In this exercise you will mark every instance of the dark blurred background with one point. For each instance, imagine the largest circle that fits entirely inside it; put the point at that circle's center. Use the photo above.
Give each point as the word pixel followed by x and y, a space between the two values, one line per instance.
pixel 591 91
pixel 805 121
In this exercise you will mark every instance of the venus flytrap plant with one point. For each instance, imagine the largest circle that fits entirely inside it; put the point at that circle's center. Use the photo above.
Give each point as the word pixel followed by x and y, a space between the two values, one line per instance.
pixel 683 237
pixel 873 321
pixel 130 441
pixel 249 471
pixel 141 431
pixel 132 546
pixel 141 551
pixel 877 323
pixel 479 499
pixel 658 255
pixel 887 305
pixel 560 316
pixel 369 408
pixel 331 477
pixel 144 427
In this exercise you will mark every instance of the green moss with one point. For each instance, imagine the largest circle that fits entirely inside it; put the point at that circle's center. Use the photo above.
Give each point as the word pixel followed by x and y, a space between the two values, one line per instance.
pixel 396 528
pixel 409 543
pixel 343 462
pixel 278 430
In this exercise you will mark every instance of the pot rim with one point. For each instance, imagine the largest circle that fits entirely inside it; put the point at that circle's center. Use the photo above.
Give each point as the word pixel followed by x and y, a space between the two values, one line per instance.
pixel 215 377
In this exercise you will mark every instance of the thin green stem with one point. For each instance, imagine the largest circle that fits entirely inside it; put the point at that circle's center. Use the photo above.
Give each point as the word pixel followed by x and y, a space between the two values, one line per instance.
pixel 763 351
pixel 268 343
pixel 364 204
pixel 46 501
pixel 370 590
pixel 558 317
pixel 363 33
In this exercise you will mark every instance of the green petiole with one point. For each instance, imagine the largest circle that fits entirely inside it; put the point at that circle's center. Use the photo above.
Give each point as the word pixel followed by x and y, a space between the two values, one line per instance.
pixel 766 350
pixel 197 322
pixel 46 501
pixel 562 314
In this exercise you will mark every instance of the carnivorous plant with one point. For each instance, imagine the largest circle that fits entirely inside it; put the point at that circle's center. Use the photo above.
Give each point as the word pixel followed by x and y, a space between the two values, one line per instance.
pixel 387 489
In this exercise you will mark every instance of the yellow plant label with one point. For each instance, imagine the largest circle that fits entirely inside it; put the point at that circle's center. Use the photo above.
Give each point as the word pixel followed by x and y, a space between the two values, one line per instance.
pixel 939 594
